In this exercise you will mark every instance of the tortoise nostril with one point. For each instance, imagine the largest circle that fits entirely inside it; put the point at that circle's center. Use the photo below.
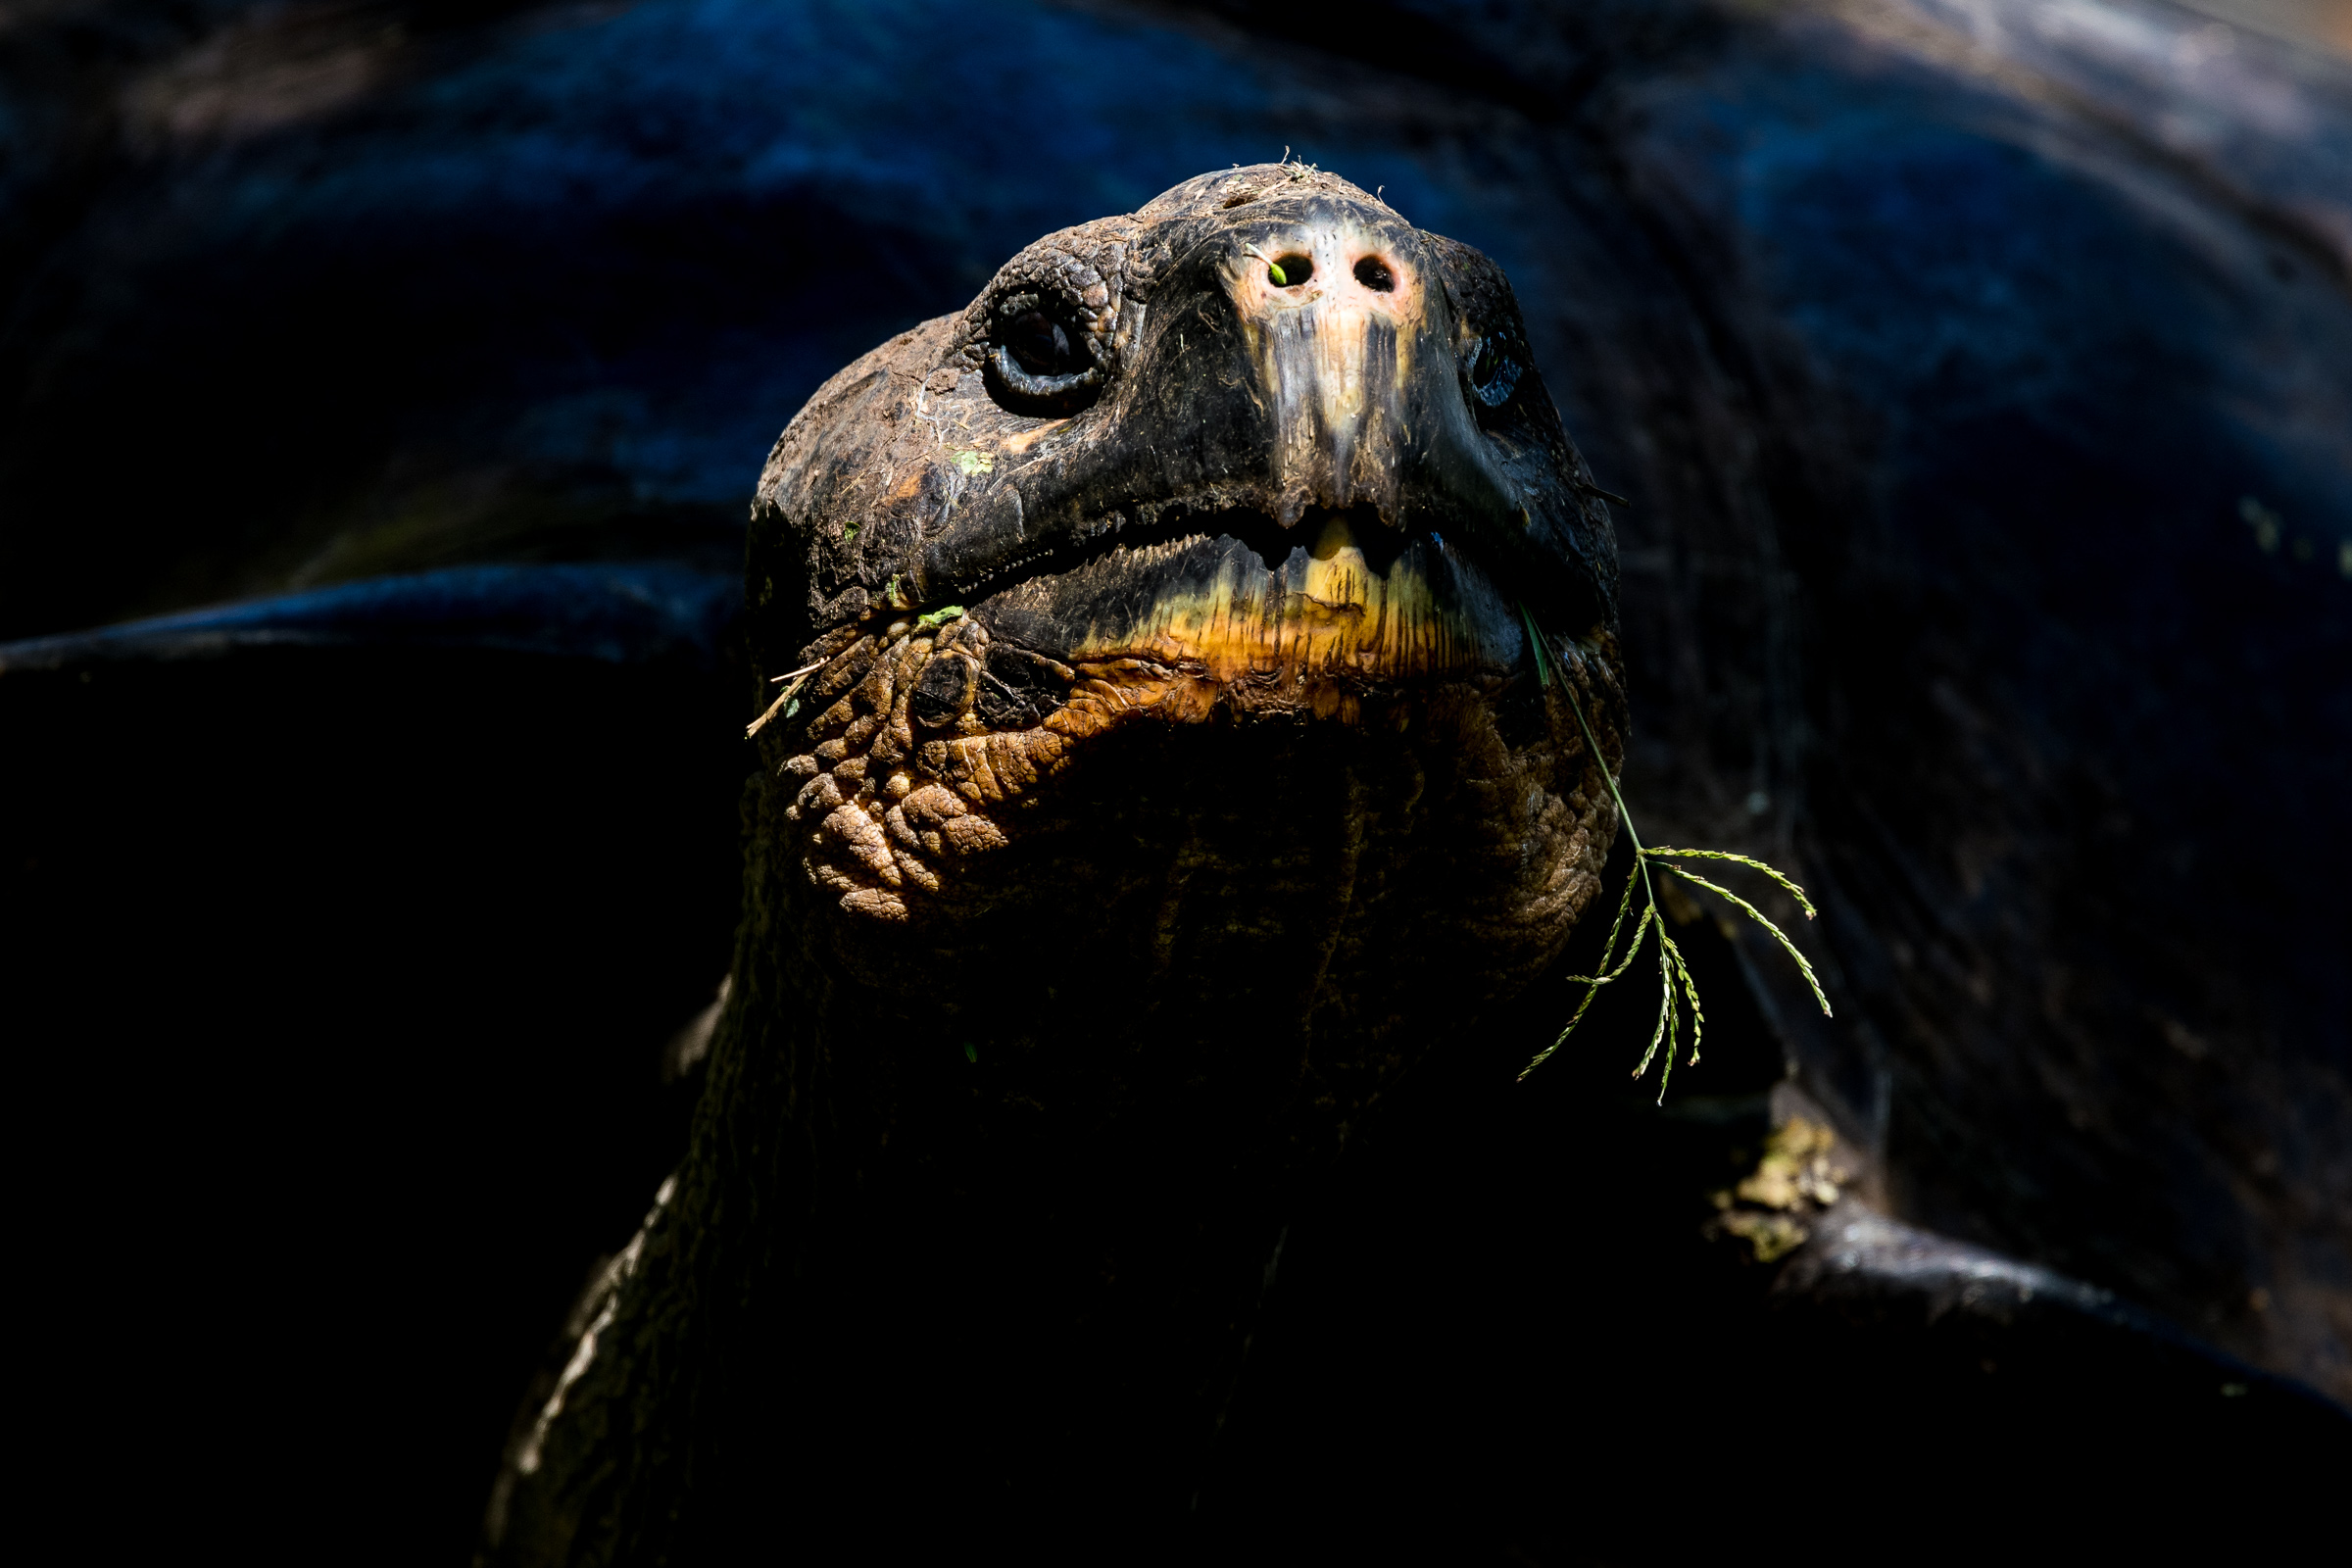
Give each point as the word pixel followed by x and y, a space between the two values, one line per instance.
pixel 1294 268
pixel 1375 274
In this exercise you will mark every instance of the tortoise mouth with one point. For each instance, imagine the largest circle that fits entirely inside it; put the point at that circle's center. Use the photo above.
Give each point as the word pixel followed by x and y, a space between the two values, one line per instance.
pixel 1238 600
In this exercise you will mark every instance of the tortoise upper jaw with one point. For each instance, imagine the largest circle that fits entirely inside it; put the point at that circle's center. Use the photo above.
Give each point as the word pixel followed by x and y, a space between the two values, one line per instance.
pixel 1237 392
pixel 1334 360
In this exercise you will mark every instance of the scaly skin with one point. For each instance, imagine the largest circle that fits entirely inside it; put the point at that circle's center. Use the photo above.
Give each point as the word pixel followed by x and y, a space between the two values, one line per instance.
pixel 1084 925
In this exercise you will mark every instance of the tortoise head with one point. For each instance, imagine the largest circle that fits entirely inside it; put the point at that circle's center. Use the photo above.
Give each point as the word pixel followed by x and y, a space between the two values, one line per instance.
pixel 1259 459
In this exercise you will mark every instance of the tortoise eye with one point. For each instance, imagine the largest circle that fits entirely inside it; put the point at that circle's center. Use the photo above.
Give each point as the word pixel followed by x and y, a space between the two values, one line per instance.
pixel 1040 344
pixel 1037 363
pixel 1494 373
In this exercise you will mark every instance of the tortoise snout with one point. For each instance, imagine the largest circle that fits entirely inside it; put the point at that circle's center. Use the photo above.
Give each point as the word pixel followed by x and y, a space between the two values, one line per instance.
pixel 1336 311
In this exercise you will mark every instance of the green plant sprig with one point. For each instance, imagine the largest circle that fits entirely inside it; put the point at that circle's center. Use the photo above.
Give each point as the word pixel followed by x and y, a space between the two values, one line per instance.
pixel 1757 915
pixel 1671 965
pixel 1273 269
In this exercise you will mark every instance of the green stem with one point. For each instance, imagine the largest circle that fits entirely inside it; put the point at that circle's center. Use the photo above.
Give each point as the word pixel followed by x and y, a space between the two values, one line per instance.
pixel 1534 640
pixel 1640 856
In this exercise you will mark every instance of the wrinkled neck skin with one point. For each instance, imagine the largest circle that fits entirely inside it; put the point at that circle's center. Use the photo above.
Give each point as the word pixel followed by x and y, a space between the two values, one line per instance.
pixel 1046 1147
pixel 1163 761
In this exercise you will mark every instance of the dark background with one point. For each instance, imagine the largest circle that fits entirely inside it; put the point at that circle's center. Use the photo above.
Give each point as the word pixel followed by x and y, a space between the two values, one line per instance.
pixel 1981 381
